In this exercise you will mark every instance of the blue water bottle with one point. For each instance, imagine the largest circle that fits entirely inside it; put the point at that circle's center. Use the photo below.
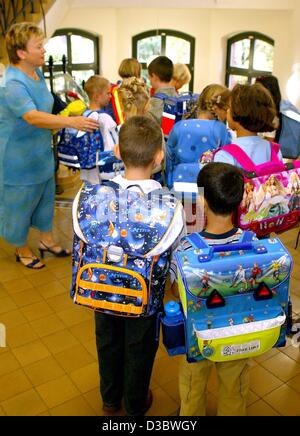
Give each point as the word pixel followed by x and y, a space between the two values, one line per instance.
pixel 173 329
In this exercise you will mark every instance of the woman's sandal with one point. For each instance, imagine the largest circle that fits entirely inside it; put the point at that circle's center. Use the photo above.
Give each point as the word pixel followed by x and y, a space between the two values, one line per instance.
pixel 50 249
pixel 31 265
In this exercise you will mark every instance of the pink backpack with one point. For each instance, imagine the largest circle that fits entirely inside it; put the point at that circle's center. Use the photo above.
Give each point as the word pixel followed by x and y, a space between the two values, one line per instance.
pixel 271 201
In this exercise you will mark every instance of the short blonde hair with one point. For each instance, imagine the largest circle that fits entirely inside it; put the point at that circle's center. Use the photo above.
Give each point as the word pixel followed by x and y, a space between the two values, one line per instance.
pixel 130 68
pixel 181 73
pixel 96 84
pixel 17 39
pixel 133 96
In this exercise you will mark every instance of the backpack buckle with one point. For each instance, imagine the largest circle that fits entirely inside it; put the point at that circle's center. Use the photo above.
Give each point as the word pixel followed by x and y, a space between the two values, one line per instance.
pixel 115 254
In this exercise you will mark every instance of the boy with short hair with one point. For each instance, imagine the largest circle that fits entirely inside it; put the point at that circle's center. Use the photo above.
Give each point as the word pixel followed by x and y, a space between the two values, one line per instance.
pixel 98 91
pixel 160 73
pixel 223 192
pixel 127 345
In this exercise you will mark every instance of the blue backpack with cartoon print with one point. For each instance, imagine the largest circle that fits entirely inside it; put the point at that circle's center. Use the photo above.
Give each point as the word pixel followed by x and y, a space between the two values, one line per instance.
pixel 80 150
pixel 121 248
pixel 235 297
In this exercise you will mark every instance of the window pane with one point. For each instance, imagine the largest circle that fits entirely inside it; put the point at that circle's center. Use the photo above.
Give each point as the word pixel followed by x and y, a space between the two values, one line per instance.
pixel 56 47
pixel 263 56
pixel 234 79
pixel 82 50
pixel 84 75
pixel 178 49
pixel 148 48
pixel 64 83
pixel 240 53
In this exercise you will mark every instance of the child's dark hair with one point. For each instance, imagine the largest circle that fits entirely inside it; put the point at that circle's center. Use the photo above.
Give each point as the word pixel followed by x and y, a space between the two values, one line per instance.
pixel 140 139
pixel 253 107
pixel 272 85
pixel 162 67
pixel 223 187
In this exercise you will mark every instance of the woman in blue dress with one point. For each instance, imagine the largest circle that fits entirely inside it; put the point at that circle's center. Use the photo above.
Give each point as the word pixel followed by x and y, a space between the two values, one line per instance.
pixel 27 188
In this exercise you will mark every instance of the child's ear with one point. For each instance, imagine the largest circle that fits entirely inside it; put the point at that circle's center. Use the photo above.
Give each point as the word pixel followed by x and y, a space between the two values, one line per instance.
pixel 159 157
pixel 117 152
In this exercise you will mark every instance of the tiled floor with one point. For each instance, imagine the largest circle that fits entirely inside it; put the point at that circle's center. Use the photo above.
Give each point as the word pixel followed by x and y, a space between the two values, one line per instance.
pixel 49 366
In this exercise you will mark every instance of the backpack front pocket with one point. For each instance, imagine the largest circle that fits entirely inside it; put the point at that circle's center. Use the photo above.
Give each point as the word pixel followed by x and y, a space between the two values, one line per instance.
pixel 109 288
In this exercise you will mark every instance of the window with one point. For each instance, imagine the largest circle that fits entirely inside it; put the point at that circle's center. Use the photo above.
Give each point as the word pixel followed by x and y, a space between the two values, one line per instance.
pixel 248 55
pixel 178 46
pixel 81 51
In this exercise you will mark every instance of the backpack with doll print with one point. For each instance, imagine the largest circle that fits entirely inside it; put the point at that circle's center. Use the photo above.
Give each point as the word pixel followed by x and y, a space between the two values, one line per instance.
pixel 121 248
pixel 271 201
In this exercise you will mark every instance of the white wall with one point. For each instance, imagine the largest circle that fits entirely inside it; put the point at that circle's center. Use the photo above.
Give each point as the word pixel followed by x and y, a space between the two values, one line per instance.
pixel 210 27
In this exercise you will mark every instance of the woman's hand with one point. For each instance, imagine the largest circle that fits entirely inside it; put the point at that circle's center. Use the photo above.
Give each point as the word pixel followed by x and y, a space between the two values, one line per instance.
pixel 83 123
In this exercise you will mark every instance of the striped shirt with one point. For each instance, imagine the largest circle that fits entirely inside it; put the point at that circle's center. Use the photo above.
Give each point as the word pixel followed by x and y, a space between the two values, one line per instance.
pixel 230 237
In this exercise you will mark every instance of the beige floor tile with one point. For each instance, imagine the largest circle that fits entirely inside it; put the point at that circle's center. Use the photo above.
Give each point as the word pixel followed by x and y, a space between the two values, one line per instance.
pixel 44 414
pixel 3 292
pixel 2 413
pixel 266 356
pixel 211 405
pixel 13 319
pixel 296 303
pixel 66 283
pixel 43 371
pixel 41 278
pixel 57 391
pixel 9 274
pixel 93 397
pixel 85 331
pixel 51 289
pixel 47 326
pixel 26 298
pixel 163 404
pixel 16 286
pixel 285 401
pixel 7 304
pixel 60 341
pixel 8 363
pixel 251 398
pixel 282 367
pixel 61 302
pixel 74 358
pixel 76 407
pixel 63 271
pixel 262 381
pixel 294 383
pixel 292 352
pixel 172 389
pixel 165 370
pixel 260 408
pixel 26 404
pixel 31 353
pixel 86 378
pixel 36 311
pixel 75 315
pixel 90 346
pixel 13 384
pixel 16 337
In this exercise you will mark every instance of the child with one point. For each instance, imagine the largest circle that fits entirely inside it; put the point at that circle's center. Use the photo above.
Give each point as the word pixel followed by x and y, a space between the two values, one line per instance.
pixel 251 111
pixel 160 74
pixel 223 191
pixel 130 68
pixel 181 76
pixel 191 139
pixel 134 97
pixel 98 91
pixel 127 346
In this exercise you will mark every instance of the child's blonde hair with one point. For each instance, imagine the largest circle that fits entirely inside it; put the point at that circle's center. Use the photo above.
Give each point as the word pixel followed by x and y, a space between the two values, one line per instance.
pixel 133 96
pixel 96 84
pixel 130 68
pixel 18 37
pixel 181 74
pixel 212 96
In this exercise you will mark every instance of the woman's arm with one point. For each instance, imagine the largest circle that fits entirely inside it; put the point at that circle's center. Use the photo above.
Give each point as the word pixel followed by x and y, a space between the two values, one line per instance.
pixel 44 120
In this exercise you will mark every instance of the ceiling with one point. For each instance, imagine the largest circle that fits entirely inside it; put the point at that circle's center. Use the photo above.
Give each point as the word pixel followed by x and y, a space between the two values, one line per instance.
pixel 165 4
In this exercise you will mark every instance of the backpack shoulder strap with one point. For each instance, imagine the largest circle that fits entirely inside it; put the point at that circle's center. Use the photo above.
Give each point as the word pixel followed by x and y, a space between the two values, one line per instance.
pixel 238 154
pixel 275 148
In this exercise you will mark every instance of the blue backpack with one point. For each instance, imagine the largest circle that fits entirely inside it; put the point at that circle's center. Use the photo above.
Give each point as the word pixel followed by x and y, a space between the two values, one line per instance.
pixel 121 248
pixel 87 152
pixel 80 151
pixel 175 108
pixel 290 133
pixel 235 297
